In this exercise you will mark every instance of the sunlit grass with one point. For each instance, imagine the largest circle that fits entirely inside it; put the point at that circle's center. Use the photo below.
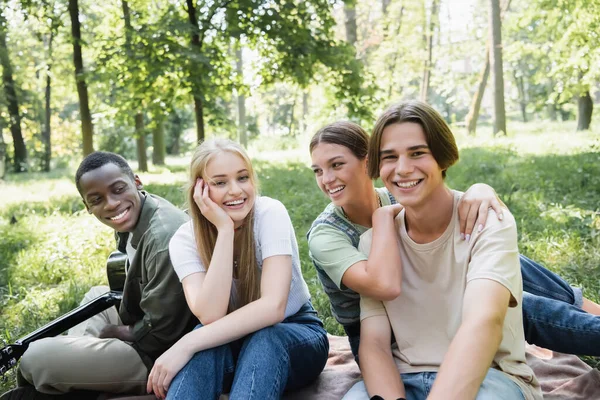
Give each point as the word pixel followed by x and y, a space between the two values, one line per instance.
pixel 547 174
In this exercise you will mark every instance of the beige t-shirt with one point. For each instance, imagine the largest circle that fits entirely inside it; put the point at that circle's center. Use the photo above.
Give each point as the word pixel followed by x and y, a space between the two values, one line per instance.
pixel 428 312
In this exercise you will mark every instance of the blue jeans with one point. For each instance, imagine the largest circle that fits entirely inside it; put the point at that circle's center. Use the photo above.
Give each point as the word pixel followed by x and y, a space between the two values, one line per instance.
pixel 496 386
pixel 286 356
pixel 552 314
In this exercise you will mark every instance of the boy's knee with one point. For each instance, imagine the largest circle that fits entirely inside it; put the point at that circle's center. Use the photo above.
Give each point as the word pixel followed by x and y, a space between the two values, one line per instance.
pixel 37 361
pixel 94 292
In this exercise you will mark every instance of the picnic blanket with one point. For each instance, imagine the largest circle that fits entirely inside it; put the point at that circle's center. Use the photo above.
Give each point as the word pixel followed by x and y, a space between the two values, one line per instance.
pixel 561 376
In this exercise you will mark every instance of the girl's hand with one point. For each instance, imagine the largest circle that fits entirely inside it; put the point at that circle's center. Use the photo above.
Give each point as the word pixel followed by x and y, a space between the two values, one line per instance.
pixel 473 208
pixel 388 211
pixel 164 370
pixel 211 210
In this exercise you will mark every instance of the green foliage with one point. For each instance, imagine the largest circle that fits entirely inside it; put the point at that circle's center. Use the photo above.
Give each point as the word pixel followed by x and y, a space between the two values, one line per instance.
pixel 557 40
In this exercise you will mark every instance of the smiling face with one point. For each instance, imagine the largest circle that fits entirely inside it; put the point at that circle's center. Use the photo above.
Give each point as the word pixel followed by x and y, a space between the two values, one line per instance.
pixel 406 165
pixel 231 185
pixel 112 196
pixel 339 173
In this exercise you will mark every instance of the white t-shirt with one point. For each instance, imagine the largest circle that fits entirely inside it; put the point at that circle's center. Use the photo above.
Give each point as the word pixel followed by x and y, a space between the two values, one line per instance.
pixel 274 236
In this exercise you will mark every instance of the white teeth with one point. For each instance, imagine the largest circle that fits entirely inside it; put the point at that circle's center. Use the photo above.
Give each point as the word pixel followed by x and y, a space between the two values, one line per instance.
pixel 337 189
pixel 407 185
pixel 234 203
pixel 117 217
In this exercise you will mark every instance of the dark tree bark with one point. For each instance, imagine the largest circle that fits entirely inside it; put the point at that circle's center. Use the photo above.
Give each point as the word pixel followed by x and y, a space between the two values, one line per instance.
pixel 10 91
pixel 158 144
pixel 140 139
pixel 87 128
pixel 241 99
pixel 520 84
pixel 496 67
pixel 392 66
pixel 304 111
pixel 473 115
pixel 350 21
pixel 47 132
pixel 196 90
pixel 428 38
pixel 384 5
pixel 585 107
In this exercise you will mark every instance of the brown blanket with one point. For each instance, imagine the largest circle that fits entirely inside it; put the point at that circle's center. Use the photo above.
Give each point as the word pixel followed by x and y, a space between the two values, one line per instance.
pixel 561 376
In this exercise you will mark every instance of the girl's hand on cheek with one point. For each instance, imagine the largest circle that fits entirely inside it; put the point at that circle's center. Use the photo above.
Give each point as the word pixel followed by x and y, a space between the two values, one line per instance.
pixel 211 210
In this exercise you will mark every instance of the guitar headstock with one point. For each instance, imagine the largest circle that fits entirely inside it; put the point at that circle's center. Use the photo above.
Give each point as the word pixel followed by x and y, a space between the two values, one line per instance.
pixel 9 356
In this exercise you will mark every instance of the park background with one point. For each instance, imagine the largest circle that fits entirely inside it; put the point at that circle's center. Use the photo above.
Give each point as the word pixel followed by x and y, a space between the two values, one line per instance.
pixel 148 79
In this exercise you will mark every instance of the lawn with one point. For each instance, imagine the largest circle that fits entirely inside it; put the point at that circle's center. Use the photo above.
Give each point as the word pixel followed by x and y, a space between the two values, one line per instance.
pixel 52 251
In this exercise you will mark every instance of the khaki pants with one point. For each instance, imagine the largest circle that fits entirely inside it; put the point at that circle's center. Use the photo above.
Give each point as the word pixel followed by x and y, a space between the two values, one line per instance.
pixel 82 361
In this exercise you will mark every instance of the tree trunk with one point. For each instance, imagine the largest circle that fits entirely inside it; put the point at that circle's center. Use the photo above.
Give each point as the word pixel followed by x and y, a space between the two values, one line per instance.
pixel 429 29
pixel 47 132
pixel 473 115
pixel 392 66
pixel 174 132
pixel 350 21
pixel 87 128
pixel 158 144
pixel 196 89
pixel 551 107
pixel 140 139
pixel 304 111
pixel 496 67
pixel 585 107
pixel 2 152
pixel 241 99
pixel 384 5
pixel 521 90
pixel 20 156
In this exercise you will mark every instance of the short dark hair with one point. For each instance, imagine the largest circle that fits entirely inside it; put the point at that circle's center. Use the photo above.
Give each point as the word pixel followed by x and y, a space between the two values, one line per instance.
pixel 438 135
pixel 344 133
pixel 99 159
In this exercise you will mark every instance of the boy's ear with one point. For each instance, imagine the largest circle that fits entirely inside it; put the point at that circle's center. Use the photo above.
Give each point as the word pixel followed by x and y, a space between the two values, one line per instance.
pixel 138 182
pixel 86 206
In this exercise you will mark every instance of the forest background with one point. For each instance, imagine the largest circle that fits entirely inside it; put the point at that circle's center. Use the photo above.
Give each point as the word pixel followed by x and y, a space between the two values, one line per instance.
pixel 148 79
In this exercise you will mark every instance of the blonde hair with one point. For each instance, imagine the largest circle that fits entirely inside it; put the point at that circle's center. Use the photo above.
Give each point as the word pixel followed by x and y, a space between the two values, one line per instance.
pixel 205 233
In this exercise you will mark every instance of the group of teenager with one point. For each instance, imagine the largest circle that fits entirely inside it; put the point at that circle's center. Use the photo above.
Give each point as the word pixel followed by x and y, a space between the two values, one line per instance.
pixel 426 281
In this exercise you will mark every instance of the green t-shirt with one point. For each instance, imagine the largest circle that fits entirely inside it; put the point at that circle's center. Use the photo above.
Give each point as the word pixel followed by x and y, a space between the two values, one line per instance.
pixel 332 249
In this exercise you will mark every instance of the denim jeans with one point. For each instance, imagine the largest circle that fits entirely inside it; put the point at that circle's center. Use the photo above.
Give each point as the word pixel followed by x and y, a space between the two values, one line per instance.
pixel 552 314
pixel 496 386
pixel 261 366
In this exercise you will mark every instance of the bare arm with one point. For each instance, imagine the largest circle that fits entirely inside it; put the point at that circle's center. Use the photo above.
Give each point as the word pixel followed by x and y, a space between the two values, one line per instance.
pixel 376 361
pixel 473 348
pixel 379 277
pixel 207 293
pixel 268 310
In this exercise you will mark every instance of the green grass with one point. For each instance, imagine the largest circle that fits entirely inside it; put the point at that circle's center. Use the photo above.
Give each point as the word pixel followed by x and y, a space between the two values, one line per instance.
pixel 548 176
